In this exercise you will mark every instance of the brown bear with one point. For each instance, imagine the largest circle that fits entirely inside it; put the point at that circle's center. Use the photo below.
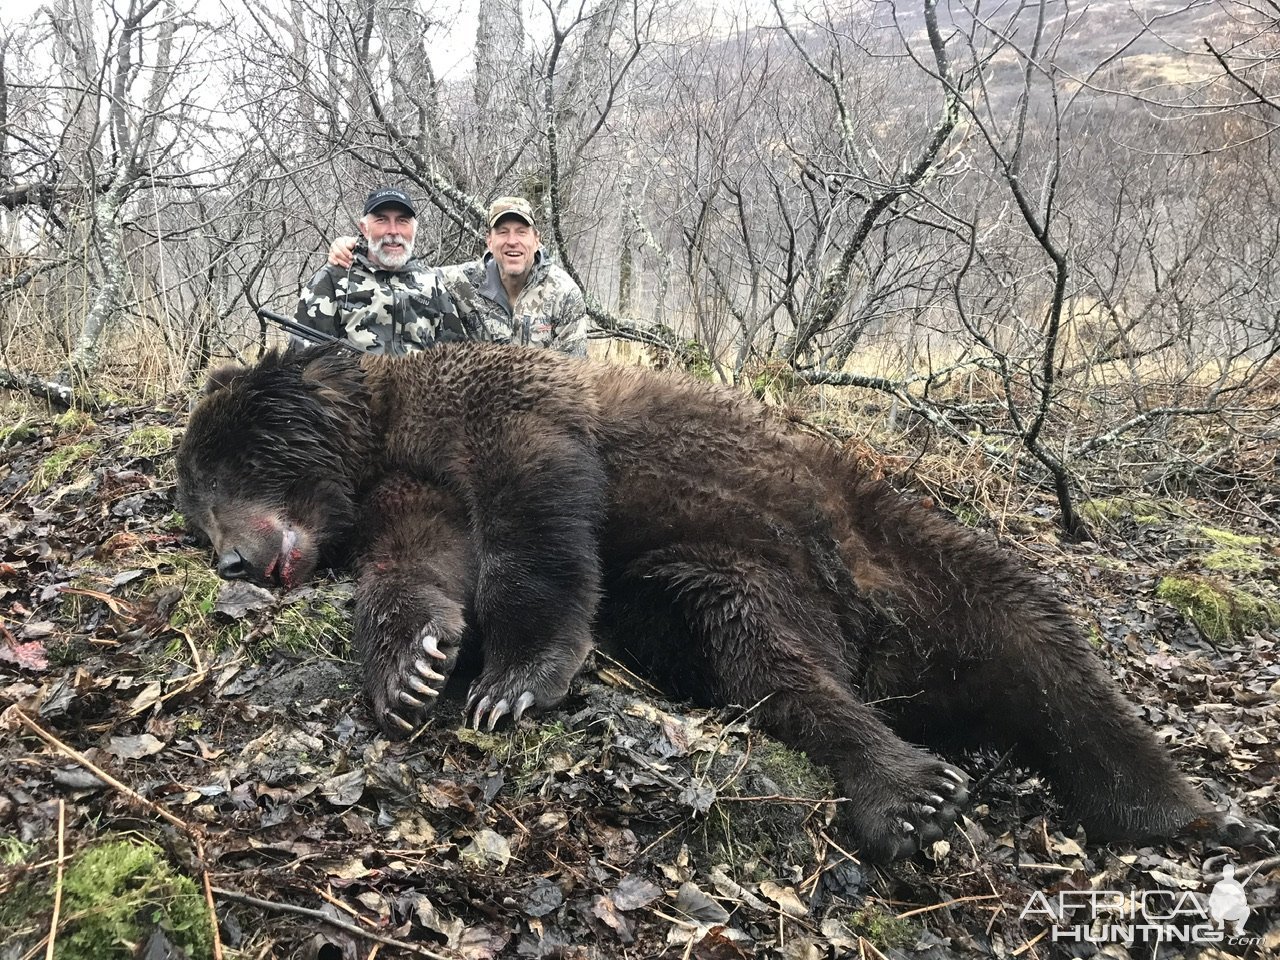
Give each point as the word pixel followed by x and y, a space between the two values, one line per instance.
pixel 532 505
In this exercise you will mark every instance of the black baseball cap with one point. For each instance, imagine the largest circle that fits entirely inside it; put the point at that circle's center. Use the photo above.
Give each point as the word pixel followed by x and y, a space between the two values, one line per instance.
pixel 389 195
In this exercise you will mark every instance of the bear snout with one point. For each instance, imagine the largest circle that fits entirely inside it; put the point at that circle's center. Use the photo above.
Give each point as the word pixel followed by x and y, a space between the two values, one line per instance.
pixel 232 565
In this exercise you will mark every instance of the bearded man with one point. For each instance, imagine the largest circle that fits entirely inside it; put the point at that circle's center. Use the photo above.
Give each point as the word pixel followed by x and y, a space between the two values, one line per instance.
pixel 384 301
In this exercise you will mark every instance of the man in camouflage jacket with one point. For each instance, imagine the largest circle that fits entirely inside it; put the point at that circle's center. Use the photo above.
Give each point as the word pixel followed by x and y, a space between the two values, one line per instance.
pixel 513 294
pixel 384 301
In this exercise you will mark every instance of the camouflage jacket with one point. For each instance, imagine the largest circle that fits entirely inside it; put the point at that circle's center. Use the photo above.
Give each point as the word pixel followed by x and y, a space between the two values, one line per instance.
pixel 549 312
pixel 383 311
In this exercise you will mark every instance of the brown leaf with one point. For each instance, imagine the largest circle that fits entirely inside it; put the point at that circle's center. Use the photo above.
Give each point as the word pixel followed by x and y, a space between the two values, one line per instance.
pixel 716 946
pixel 606 911
pixel 134 748
pixel 482 943
pixel 633 892
pixel 344 789
pixel 784 897
pixel 446 795
pixel 29 656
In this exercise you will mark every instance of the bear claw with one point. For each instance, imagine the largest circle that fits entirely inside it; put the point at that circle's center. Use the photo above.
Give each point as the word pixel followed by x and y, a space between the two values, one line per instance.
pixel 431 645
pixel 409 679
pixel 424 669
pixel 476 710
pixel 917 802
pixel 522 704
pixel 400 721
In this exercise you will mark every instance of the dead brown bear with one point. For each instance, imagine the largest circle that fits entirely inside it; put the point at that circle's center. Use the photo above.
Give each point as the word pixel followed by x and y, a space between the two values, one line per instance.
pixel 531 502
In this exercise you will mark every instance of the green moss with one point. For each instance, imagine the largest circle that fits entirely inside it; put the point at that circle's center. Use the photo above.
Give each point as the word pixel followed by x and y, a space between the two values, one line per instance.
pixel 60 462
pixel 149 441
pixel 13 851
pixel 11 436
pixel 116 892
pixel 792 771
pixel 200 586
pixel 24 912
pixel 73 421
pixel 1229 540
pixel 875 924
pixel 1220 611
pixel 1140 510
pixel 1231 560
pixel 524 751
pixel 316 625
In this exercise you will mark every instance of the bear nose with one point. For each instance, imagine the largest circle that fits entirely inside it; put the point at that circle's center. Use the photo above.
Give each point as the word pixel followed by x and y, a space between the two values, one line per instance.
pixel 232 566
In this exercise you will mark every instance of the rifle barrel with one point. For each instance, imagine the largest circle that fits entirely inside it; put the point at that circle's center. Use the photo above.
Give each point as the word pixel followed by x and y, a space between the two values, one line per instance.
pixel 304 332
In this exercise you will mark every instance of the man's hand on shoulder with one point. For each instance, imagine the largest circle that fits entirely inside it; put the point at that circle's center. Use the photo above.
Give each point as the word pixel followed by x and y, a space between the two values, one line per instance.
pixel 342 251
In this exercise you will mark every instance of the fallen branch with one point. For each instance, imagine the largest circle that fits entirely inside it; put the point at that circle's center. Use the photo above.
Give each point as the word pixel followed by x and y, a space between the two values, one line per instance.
pixel 57 887
pixel 51 391
pixel 323 917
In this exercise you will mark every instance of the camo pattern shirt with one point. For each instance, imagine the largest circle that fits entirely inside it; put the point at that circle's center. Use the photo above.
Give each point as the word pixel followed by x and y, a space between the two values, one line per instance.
pixel 383 311
pixel 549 312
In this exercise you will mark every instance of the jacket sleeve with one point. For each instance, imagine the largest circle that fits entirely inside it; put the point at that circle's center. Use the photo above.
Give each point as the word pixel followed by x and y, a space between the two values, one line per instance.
pixel 439 306
pixel 569 320
pixel 318 304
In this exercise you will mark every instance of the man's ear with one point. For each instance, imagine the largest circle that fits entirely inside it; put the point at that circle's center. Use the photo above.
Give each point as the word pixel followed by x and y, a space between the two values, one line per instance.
pixel 363 228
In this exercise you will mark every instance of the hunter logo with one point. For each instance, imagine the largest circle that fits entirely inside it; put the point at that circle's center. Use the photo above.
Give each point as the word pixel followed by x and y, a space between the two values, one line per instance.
pixel 1146 917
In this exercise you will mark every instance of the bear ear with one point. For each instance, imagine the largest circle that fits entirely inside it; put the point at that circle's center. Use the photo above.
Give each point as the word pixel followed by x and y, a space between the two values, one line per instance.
pixel 330 371
pixel 223 377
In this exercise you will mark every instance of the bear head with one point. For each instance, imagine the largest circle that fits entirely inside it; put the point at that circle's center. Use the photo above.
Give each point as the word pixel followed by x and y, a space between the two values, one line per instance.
pixel 267 469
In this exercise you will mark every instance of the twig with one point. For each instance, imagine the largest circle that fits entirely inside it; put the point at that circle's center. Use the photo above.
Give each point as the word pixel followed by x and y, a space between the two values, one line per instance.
pixel 323 917
pixel 1030 944
pixel 947 903
pixel 57 889
pixel 13 713
pixel 208 899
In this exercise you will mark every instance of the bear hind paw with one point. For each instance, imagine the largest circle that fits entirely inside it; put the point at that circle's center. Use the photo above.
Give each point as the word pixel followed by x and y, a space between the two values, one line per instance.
pixel 893 821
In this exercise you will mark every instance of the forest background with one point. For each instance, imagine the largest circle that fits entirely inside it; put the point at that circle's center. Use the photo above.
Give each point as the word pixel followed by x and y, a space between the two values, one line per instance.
pixel 1044 233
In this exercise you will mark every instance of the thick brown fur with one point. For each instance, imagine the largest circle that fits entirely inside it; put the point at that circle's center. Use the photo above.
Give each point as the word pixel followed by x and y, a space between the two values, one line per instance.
pixel 532 502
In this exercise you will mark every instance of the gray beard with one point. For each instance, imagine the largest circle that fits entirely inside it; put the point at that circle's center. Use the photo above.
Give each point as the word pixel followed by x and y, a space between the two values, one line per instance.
pixel 387 261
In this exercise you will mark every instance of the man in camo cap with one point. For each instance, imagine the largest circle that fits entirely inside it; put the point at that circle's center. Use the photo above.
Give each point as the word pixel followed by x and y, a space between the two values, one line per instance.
pixel 383 301
pixel 513 293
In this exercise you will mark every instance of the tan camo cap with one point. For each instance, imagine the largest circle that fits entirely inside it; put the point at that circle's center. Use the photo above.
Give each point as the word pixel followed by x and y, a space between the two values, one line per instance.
pixel 516 206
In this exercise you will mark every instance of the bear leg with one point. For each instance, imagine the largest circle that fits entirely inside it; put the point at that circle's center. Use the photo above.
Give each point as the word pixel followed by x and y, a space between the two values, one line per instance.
pixel 414 585
pixel 536 498
pixel 1104 762
pixel 1045 694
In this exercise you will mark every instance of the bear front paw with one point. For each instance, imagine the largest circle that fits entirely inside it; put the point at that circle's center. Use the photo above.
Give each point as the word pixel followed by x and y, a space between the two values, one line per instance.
pixel 497 693
pixel 894 814
pixel 510 685
pixel 405 691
